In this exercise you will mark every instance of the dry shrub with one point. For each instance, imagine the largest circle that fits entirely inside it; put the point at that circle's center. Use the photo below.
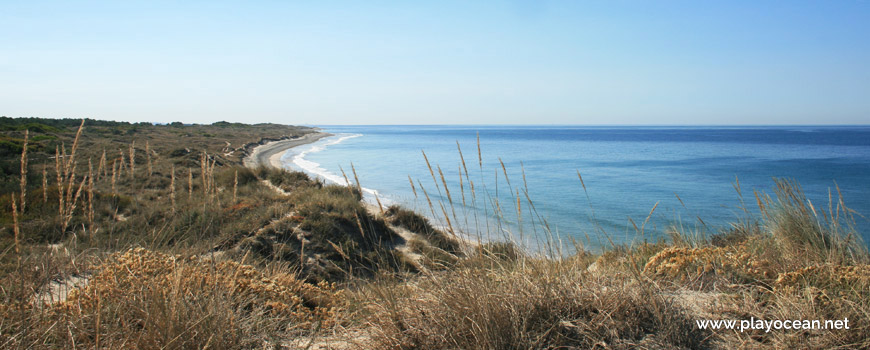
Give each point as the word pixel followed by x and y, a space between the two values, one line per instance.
pixel 684 264
pixel 831 276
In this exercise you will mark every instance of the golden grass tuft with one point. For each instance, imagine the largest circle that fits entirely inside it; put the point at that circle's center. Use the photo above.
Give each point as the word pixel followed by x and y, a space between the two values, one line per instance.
pixel 855 277
pixel 685 263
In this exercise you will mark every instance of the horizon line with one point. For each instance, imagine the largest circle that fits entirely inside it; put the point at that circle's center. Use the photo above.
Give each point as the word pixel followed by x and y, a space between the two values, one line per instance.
pixel 608 125
pixel 476 124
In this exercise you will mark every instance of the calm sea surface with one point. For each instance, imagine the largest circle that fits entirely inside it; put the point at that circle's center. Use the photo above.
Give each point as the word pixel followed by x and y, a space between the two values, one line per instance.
pixel 689 171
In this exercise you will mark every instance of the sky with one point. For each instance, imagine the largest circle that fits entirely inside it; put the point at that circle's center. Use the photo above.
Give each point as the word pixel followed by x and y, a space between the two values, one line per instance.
pixel 439 62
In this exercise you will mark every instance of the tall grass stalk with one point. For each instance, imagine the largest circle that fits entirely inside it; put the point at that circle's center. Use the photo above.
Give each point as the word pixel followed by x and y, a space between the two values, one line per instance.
pixel 44 184
pixel 471 187
pixel 413 188
pixel 356 179
pixel 532 213
pixel 362 232
pixel 71 204
pixel 90 178
pixel 495 201
pixel 545 226
pixel 519 215
pixel 462 193
pixel 132 158
pixel 447 217
pixel 58 170
pixel 479 156
pixel 346 180
pixel 212 184
pixel 203 171
pixel 449 197
pixel 172 187
pixel 428 200
pixel 189 183
pixel 211 181
pixel 148 157
pixel 432 173
pixel 207 164
pixel 645 221
pixel 102 170
pixel 595 223
pixel 462 161
pixel 114 177
pixel 23 182
pixel 16 229
pixel 67 191
pixel 75 146
pixel 483 183
pixel 380 206
pixel 504 171
pixel 123 163
pixel 235 185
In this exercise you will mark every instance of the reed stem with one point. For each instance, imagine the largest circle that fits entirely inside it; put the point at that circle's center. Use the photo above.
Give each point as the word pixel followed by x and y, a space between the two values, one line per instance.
pixel 24 171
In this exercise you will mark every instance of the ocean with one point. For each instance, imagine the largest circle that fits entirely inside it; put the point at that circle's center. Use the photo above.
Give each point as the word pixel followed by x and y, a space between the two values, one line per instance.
pixel 690 175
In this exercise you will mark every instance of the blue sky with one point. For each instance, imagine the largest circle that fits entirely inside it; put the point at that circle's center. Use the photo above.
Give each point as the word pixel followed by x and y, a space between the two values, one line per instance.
pixel 444 62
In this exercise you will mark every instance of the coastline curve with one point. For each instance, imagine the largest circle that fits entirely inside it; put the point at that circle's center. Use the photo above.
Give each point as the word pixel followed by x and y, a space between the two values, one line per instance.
pixel 269 154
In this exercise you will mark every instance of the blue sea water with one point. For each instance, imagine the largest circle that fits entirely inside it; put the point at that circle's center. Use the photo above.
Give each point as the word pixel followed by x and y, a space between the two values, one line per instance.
pixel 689 174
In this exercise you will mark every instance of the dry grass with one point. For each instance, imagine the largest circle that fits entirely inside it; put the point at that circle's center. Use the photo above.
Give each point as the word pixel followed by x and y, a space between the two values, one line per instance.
pixel 144 299
pixel 528 304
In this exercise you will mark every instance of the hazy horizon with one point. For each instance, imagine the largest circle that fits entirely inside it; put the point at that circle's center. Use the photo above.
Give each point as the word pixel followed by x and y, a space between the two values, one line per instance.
pixel 633 63
pixel 543 125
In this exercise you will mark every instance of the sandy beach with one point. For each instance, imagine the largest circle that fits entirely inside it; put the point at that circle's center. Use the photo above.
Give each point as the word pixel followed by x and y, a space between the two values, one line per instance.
pixel 270 153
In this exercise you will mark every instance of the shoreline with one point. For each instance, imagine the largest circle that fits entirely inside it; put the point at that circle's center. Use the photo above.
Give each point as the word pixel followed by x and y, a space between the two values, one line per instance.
pixel 269 154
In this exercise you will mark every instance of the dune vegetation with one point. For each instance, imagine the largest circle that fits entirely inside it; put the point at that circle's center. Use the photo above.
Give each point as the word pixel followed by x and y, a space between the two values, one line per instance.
pixel 119 235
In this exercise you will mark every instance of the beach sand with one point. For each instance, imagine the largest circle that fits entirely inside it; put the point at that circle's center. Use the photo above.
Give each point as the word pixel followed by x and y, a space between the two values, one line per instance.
pixel 269 154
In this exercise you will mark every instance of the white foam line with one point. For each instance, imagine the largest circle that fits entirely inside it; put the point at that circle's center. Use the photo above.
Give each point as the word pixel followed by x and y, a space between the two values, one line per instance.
pixel 316 169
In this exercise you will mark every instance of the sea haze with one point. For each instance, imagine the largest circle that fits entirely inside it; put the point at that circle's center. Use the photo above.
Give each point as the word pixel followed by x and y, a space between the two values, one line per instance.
pixel 691 172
